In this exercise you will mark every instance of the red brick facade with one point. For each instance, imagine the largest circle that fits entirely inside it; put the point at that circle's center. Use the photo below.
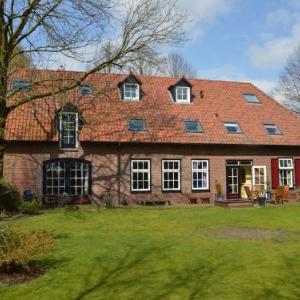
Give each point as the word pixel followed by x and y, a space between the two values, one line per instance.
pixel 23 165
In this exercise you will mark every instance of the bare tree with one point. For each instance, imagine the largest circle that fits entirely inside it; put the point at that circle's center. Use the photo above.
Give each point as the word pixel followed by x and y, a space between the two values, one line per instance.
pixel 289 82
pixel 43 27
pixel 176 66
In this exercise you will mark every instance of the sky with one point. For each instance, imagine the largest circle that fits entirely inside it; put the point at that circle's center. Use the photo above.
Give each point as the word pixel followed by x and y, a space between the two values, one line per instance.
pixel 240 40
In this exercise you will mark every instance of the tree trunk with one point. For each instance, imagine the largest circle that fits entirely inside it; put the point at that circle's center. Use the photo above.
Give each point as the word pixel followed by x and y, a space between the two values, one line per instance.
pixel 3 116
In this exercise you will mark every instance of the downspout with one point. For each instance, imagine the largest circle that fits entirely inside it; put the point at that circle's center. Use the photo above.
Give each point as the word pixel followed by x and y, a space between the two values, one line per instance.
pixel 119 172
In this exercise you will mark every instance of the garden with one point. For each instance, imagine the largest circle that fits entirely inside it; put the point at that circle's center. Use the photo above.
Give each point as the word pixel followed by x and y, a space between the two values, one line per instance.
pixel 151 253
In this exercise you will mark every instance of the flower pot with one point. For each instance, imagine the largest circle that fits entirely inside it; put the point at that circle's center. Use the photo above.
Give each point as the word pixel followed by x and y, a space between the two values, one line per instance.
pixel 261 201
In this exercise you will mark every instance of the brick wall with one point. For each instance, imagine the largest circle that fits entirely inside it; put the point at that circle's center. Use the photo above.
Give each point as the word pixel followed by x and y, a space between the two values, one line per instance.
pixel 23 164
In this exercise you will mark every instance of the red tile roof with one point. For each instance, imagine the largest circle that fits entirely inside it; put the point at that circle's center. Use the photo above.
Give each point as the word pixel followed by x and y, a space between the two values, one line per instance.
pixel 105 115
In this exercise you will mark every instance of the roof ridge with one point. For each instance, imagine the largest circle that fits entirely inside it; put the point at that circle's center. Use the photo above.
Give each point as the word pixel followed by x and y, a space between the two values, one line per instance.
pixel 127 74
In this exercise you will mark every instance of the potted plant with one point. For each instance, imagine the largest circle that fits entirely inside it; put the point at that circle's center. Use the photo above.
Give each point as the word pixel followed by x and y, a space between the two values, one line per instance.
pixel 219 191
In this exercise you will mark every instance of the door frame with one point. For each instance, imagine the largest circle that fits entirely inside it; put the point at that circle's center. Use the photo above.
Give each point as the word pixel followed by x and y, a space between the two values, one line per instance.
pixel 238 195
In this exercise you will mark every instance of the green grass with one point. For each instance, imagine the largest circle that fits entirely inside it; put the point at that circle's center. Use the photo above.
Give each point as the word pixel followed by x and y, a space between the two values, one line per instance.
pixel 165 254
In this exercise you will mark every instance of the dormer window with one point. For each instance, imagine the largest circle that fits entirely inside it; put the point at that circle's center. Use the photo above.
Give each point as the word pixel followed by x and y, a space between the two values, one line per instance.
pixel 20 85
pixel 131 91
pixel 181 91
pixel 68 123
pixel 68 130
pixel 183 94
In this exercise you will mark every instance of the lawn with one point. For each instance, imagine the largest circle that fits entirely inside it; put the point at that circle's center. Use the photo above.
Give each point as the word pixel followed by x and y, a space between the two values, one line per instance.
pixel 168 253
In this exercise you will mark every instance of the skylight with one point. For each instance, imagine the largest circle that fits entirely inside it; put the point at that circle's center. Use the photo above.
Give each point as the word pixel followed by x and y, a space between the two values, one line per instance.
pixel 20 85
pixel 232 127
pixel 193 126
pixel 272 129
pixel 136 125
pixel 86 90
pixel 251 98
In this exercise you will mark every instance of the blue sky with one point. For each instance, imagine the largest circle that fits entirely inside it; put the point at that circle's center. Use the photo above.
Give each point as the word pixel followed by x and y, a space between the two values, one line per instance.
pixel 243 40
pixel 240 40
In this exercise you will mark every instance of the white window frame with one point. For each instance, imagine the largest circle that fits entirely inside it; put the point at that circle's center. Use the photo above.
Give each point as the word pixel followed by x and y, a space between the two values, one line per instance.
pixel 82 168
pixel 203 170
pixel 286 168
pixel 51 166
pixel 178 171
pixel 265 176
pixel 143 171
pixel 188 93
pixel 61 131
pixel 137 97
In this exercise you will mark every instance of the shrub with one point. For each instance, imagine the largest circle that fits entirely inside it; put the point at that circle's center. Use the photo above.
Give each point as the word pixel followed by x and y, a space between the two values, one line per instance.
pixel 3 216
pixel 19 248
pixel 10 198
pixel 31 208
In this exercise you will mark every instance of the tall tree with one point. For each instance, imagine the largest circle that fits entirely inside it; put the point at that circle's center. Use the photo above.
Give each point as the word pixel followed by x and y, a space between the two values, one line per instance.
pixel 176 66
pixel 39 28
pixel 289 82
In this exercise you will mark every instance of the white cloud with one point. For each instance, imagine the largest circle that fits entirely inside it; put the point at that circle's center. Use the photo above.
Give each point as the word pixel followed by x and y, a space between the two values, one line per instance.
pixel 280 37
pixel 274 53
pixel 203 13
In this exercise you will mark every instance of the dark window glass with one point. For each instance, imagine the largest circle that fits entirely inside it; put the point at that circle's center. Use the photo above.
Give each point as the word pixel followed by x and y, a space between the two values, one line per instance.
pixel 193 126
pixel 86 90
pixel 233 127
pixel 272 129
pixel 136 125
pixel 20 85
pixel 66 176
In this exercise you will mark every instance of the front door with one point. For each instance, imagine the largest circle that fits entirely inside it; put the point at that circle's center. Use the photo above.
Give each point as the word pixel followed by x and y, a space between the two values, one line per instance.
pixel 233 182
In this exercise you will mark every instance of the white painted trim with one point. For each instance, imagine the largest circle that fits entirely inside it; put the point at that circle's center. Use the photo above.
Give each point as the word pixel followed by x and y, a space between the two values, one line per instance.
pixel 200 170
pixel 171 170
pixel 188 100
pixel 148 171
pixel 137 98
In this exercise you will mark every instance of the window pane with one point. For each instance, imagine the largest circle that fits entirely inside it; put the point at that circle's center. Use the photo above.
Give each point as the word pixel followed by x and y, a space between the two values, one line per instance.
pixel 232 127
pixel 141 175
pixel 136 125
pixel 251 98
pixel 193 126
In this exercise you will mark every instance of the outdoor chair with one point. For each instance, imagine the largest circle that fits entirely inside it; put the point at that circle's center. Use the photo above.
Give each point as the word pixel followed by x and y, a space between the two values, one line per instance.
pixel 281 194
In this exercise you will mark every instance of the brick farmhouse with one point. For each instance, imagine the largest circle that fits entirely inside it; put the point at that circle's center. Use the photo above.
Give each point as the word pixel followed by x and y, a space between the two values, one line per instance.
pixel 146 138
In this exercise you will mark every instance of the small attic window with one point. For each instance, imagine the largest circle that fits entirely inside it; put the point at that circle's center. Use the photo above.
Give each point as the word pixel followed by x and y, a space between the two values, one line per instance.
pixel 131 91
pixel 183 94
pixel 85 90
pixel 251 98
pixel 136 125
pixel 20 85
pixel 272 129
pixel 232 127
pixel 193 126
